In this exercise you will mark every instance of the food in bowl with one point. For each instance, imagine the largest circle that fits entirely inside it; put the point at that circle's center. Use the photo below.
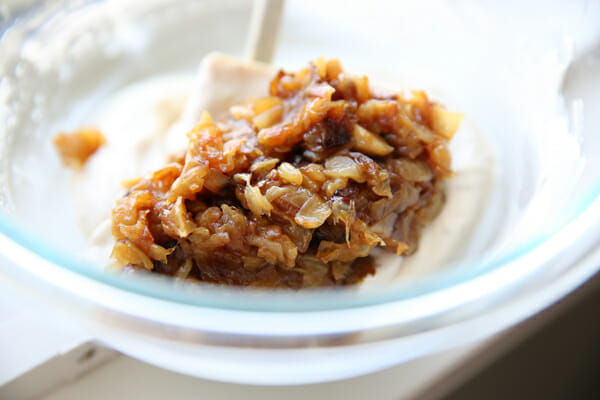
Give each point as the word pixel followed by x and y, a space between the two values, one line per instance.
pixel 294 189
pixel 77 147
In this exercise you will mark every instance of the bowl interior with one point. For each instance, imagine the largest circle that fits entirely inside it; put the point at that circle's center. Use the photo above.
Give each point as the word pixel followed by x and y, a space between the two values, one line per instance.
pixel 526 156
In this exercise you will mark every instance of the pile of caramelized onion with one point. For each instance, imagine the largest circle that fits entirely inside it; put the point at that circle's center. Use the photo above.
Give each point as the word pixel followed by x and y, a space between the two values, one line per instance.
pixel 294 189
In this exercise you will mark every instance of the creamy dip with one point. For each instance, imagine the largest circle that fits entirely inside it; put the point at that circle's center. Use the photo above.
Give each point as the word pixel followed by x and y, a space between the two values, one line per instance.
pixel 146 122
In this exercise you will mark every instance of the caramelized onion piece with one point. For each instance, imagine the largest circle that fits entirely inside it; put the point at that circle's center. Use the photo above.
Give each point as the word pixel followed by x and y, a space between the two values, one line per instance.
pixel 369 143
pixel 314 213
pixel 446 123
pixel 344 167
pixel 257 203
pixel 290 174
pixel 268 117
pixel 75 148
pixel 264 165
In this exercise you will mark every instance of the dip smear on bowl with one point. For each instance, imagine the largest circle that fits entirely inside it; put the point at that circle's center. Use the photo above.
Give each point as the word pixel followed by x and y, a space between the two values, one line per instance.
pixel 294 189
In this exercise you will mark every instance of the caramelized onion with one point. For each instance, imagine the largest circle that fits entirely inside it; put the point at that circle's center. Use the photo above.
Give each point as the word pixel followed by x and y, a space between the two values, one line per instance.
pixel 294 189
pixel 313 213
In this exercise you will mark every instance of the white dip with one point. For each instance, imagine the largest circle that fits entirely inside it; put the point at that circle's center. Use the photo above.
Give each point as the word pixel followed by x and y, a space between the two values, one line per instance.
pixel 147 121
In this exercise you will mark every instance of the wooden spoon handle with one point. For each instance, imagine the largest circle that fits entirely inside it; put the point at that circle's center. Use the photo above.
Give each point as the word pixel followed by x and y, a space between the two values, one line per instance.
pixel 264 28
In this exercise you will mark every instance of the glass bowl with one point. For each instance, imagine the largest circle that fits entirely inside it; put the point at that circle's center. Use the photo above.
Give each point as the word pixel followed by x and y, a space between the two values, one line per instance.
pixel 524 201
